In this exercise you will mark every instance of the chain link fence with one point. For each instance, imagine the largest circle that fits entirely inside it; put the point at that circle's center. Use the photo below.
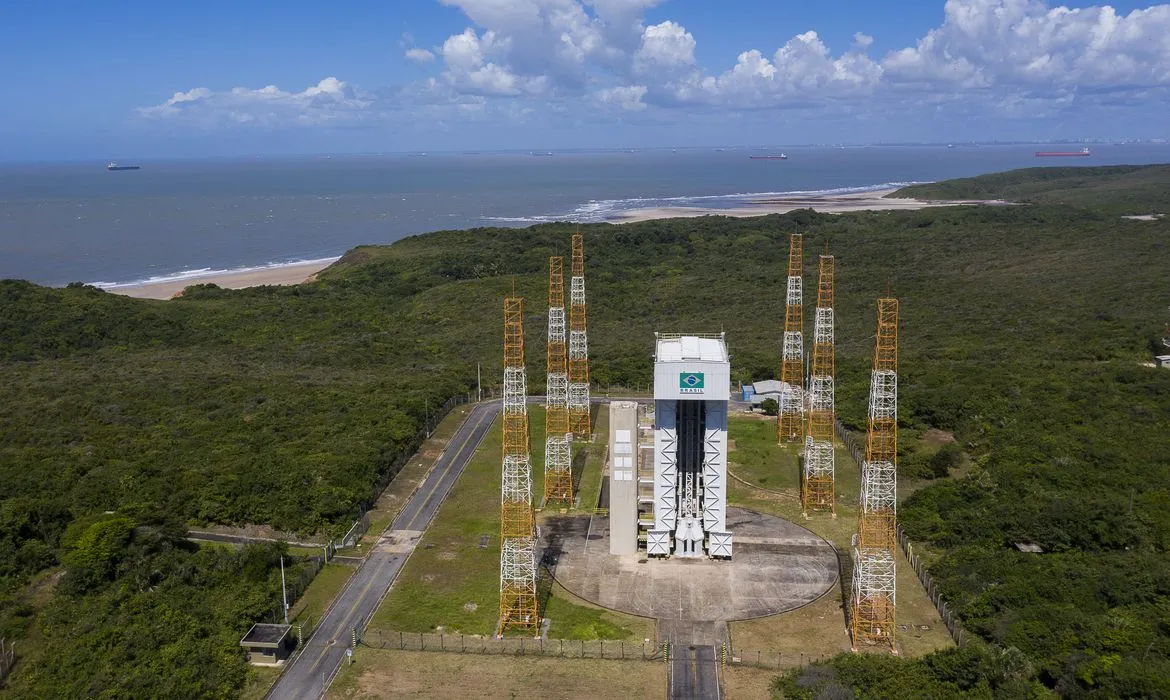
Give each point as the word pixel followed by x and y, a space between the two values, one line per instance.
pixel 944 611
pixel 513 646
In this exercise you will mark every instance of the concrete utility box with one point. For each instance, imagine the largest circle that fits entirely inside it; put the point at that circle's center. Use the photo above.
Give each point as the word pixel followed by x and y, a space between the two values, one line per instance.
pixel 623 477
pixel 692 386
pixel 267 644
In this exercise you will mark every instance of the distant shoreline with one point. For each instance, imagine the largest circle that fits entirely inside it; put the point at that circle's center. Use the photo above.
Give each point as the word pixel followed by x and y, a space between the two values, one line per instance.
pixel 297 273
pixel 875 200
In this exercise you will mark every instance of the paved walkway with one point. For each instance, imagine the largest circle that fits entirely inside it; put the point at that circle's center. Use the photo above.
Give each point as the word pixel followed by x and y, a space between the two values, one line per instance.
pixel 312 669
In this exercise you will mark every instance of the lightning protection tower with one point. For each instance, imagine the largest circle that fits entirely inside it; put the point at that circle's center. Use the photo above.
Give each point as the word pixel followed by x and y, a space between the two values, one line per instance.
pixel 558 474
pixel 578 346
pixel 789 423
pixel 818 492
pixel 518 605
pixel 873 609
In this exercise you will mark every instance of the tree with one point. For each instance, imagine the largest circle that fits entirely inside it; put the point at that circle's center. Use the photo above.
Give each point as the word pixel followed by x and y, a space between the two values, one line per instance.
pixel 770 407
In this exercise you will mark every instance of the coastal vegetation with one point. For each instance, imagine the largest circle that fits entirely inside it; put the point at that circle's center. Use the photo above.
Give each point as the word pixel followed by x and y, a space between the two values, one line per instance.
pixel 1024 330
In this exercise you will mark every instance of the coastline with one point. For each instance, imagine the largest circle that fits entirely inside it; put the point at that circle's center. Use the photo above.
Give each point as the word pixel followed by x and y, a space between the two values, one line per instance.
pixel 168 288
pixel 875 200
pixel 305 271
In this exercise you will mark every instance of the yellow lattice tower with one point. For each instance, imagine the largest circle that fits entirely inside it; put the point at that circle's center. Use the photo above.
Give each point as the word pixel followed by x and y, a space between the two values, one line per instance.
pixel 873 618
pixel 518 600
pixel 818 492
pixel 516 498
pixel 877 524
pixel 558 473
pixel 579 420
pixel 789 426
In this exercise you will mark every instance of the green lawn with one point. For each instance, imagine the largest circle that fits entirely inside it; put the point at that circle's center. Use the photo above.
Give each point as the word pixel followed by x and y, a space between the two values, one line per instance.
pixel 591 457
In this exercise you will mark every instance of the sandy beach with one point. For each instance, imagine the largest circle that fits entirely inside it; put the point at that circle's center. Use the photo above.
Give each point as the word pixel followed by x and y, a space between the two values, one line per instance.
pixel 281 274
pixel 301 272
pixel 825 203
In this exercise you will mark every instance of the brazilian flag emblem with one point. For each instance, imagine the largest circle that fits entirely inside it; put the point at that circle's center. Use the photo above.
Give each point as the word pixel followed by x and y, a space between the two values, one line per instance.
pixel 690 382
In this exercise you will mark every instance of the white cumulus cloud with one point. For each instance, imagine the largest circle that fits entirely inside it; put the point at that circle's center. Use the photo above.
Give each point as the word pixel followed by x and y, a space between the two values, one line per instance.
pixel 329 101
pixel 518 58
pixel 1025 44
pixel 419 55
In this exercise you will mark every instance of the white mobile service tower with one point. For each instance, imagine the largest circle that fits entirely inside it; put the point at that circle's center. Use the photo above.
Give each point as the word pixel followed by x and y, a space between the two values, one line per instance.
pixel 692 384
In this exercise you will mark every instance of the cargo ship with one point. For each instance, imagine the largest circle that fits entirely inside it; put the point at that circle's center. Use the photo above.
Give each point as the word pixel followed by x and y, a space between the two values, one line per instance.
pixel 782 156
pixel 1047 154
pixel 111 166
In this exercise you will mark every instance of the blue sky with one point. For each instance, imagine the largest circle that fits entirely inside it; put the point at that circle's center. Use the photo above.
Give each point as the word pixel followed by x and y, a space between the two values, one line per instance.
pixel 142 80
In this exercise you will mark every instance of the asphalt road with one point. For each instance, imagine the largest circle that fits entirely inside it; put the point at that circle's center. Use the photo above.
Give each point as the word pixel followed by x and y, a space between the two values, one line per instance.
pixel 310 672
pixel 694 673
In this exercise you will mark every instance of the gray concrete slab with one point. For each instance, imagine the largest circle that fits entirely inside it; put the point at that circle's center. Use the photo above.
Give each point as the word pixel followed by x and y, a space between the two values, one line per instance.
pixel 781 566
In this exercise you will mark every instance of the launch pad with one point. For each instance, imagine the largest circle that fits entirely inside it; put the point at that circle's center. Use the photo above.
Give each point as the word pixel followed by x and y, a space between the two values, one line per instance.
pixel 778 566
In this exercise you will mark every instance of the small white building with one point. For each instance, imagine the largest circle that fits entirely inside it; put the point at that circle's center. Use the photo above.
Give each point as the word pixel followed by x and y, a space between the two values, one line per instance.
pixel 692 385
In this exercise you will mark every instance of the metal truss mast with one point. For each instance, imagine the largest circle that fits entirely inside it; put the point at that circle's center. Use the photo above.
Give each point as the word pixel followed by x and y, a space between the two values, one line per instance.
pixel 579 421
pixel 874 596
pixel 818 486
pixel 789 424
pixel 558 474
pixel 518 603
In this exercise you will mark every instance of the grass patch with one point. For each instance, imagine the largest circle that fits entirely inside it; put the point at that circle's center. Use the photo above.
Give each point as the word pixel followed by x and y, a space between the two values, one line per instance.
pixel 320 593
pixel 574 618
pixel 591 457
pixel 450 581
pixel 393 498
pixel 260 680
pixel 818 629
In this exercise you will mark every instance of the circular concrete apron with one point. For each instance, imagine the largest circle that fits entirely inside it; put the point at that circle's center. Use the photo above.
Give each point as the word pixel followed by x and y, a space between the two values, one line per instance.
pixel 776 566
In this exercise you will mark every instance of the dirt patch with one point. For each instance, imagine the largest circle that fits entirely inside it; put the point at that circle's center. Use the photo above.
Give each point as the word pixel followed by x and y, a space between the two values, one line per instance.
pixel 934 436
pixel 419 674
pixel 446 556
pixel 747 682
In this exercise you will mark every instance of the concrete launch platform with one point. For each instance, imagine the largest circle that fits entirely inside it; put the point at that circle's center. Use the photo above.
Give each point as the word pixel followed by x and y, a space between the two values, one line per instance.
pixel 778 566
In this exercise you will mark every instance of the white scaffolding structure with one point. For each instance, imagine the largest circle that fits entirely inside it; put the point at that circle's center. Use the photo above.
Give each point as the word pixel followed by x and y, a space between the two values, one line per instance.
pixel 792 356
pixel 873 610
pixel 578 349
pixel 879 484
pixel 819 457
pixel 558 446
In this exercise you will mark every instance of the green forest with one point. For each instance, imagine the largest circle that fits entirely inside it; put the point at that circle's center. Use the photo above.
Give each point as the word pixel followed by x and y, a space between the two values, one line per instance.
pixel 1024 330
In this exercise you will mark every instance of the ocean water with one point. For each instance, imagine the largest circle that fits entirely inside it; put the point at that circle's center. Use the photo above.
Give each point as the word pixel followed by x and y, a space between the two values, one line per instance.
pixel 76 222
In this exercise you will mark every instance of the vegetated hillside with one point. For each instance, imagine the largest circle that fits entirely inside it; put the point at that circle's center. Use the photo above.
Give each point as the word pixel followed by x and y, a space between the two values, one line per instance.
pixel 1120 189
pixel 1022 329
